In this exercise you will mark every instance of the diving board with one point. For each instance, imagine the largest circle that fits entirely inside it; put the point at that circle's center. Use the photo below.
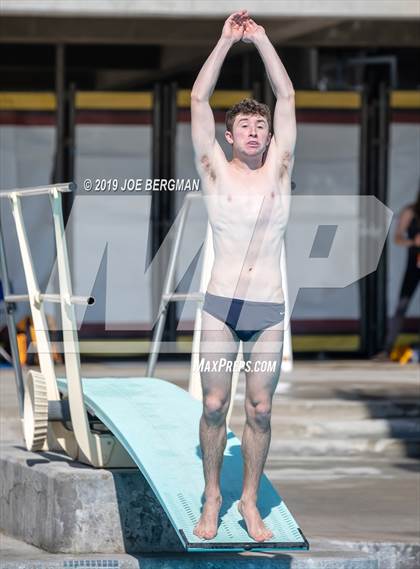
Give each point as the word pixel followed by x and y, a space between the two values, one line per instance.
pixel 158 424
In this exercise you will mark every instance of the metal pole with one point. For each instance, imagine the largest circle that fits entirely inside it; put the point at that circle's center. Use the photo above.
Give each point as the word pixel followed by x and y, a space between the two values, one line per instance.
pixel 373 171
pixel 382 195
pixel 84 300
pixel 58 175
pixel 167 199
pixel 70 335
pixel 37 190
pixel 167 289
pixel 11 326
pixel 363 190
pixel 37 310
pixel 156 341
pixel 257 90
pixel 154 208
pixel 69 152
pixel 164 133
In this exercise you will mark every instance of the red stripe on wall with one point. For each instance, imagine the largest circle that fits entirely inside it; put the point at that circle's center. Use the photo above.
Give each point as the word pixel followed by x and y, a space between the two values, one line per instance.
pixel 402 116
pixel 184 115
pixel 47 118
pixel 40 118
pixel 303 116
pixel 27 118
pixel 113 117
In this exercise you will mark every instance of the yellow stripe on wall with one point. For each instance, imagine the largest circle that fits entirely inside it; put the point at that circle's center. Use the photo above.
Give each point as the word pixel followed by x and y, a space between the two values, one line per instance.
pixel 220 99
pixel 94 100
pixel 328 100
pixel 330 342
pixel 13 101
pixel 120 101
pixel 304 99
pixel 114 100
pixel 405 99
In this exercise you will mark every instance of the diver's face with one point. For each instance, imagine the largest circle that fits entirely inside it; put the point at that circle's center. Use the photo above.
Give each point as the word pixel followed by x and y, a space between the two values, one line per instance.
pixel 250 135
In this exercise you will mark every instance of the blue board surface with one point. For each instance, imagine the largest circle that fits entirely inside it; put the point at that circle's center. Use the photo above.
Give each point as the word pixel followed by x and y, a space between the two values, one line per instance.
pixel 158 424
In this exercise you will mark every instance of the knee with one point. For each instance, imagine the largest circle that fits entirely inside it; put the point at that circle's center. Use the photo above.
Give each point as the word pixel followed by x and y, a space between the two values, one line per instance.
pixel 259 414
pixel 215 408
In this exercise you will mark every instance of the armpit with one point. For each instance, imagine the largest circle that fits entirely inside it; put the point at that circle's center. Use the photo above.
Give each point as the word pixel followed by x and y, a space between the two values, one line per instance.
pixel 207 167
pixel 285 161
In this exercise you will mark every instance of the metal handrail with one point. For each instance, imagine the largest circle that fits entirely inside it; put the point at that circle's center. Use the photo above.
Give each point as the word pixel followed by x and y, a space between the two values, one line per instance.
pixel 84 300
pixel 38 190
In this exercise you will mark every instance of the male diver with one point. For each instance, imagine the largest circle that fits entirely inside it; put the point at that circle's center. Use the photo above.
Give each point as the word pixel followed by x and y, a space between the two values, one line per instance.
pixel 248 201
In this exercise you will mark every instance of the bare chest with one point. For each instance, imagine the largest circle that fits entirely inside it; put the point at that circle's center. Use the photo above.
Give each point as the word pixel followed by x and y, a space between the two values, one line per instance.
pixel 238 200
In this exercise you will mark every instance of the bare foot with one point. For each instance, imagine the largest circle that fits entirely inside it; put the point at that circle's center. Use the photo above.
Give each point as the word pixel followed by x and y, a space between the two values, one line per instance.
pixel 207 524
pixel 255 526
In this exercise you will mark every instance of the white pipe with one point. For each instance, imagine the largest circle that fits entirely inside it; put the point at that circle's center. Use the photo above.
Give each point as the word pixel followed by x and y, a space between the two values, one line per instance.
pixel 37 191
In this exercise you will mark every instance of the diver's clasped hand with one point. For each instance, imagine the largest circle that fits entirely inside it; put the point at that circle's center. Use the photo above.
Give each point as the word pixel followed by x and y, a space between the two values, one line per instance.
pixel 239 26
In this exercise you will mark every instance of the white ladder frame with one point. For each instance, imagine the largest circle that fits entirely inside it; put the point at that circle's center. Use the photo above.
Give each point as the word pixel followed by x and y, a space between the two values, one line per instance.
pixel 98 450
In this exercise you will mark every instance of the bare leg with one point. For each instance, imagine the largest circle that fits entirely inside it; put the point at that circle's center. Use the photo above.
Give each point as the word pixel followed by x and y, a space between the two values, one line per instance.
pixel 217 347
pixel 396 323
pixel 408 288
pixel 261 383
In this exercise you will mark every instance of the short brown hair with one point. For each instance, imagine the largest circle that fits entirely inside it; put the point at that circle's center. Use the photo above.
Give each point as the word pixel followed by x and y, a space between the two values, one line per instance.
pixel 247 107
